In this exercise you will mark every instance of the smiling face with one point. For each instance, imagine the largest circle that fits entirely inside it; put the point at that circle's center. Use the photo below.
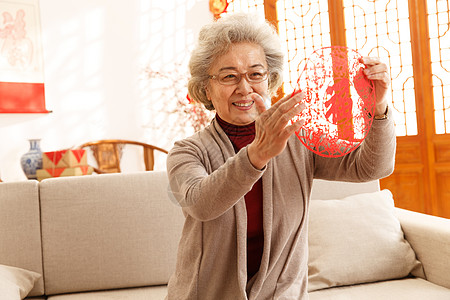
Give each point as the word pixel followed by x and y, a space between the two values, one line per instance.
pixel 234 103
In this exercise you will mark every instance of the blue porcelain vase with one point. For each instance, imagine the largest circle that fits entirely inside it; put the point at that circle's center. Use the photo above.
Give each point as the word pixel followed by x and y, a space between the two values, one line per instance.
pixel 32 160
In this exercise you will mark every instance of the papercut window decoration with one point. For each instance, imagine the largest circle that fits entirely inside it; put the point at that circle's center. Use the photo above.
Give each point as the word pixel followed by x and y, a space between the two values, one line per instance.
pixel 21 58
pixel 340 102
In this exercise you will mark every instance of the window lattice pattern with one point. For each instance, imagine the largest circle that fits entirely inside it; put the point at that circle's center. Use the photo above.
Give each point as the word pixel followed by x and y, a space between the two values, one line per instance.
pixel 251 6
pixel 374 28
pixel 438 20
pixel 381 29
pixel 303 27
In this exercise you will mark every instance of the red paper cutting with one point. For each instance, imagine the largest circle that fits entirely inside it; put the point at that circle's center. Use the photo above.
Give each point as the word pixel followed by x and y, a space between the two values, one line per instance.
pixel 340 102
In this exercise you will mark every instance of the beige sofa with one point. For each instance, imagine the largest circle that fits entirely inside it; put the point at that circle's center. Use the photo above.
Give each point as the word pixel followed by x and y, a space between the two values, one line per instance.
pixel 115 237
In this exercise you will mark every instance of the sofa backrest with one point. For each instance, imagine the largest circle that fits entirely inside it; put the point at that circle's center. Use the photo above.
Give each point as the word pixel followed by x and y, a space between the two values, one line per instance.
pixel 20 231
pixel 325 190
pixel 110 231
pixel 102 232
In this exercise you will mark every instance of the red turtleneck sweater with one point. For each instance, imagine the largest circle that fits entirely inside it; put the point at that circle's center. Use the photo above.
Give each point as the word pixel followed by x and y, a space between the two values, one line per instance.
pixel 241 136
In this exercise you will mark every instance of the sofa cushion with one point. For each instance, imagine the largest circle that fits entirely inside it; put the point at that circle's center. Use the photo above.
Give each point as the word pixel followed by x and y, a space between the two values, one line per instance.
pixel 144 293
pixel 355 240
pixel 16 283
pixel 109 231
pixel 403 289
pixel 20 229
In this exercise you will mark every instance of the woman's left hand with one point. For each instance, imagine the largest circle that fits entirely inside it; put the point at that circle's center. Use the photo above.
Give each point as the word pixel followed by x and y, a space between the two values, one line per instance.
pixel 378 72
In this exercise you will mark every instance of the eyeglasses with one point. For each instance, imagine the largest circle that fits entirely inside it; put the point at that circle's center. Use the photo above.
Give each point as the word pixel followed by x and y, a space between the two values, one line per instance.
pixel 233 77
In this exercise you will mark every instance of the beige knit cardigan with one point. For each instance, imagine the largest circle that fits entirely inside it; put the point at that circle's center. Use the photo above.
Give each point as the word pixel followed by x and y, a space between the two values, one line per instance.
pixel 209 181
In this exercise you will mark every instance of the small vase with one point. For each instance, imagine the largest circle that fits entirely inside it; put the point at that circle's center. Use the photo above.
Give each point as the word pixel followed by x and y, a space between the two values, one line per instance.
pixel 32 160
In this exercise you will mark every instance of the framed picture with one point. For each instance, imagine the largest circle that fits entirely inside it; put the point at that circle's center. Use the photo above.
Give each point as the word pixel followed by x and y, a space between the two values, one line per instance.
pixel 21 58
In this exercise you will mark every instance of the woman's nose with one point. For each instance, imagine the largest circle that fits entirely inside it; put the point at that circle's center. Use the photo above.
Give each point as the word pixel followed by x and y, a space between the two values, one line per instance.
pixel 244 87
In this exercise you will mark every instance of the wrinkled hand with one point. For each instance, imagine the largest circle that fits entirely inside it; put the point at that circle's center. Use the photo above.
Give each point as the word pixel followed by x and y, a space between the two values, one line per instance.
pixel 378 72
pixel 274 127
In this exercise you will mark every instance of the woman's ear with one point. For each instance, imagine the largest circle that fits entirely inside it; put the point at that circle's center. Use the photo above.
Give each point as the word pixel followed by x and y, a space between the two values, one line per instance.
pixel 208 94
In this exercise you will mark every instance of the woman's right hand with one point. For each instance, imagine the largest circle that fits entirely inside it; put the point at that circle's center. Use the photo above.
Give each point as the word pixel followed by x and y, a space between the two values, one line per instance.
pixel 274 127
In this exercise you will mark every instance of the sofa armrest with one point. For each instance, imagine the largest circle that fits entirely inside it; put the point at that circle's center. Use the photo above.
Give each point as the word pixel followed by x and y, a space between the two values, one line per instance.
pixel 429 236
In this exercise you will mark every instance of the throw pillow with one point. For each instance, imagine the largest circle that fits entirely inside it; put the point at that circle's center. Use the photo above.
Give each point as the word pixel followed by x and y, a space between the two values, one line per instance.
pixel 16 283
pixel 355 240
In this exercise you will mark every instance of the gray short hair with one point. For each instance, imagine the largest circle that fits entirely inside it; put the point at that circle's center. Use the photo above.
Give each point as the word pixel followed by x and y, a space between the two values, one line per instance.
pixel 215 40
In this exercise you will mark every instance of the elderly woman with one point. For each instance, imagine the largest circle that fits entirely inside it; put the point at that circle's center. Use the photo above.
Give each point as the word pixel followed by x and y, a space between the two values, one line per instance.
pixel 244 181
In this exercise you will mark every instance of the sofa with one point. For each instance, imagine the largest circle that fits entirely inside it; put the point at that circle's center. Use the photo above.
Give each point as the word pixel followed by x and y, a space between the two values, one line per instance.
pixel 115 236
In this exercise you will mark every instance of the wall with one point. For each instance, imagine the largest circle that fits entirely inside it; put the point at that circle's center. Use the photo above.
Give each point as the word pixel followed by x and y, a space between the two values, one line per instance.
pixel 95 53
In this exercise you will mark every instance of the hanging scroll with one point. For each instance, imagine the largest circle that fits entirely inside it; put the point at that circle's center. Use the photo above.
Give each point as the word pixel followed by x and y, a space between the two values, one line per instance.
pixel 21 58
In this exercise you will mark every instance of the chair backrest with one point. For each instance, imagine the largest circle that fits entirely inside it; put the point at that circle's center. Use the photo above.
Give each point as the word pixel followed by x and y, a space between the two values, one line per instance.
pixel 108 153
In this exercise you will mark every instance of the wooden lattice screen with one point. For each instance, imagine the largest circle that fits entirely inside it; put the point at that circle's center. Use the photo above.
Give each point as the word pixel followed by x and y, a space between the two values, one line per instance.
pixel 413 38
pixel 438 20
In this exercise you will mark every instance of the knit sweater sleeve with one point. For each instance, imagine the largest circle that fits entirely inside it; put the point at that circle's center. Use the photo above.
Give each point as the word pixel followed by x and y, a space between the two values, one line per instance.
pixel 206 178
pixel 373 159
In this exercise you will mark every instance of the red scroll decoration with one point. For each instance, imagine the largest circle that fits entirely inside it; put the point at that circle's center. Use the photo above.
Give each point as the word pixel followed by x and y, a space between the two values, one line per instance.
pixel 21 58
pixel 340 102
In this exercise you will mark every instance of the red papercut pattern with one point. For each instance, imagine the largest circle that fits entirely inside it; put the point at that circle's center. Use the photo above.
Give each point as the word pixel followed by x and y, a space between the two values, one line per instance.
pixel 339 99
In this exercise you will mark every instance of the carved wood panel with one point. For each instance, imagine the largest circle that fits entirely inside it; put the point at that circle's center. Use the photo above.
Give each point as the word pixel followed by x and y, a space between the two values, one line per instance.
pixel 413 38
pixel 407 186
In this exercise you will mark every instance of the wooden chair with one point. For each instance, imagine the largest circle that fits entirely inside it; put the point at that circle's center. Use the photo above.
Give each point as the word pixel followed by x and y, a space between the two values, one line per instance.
pixel 108 153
